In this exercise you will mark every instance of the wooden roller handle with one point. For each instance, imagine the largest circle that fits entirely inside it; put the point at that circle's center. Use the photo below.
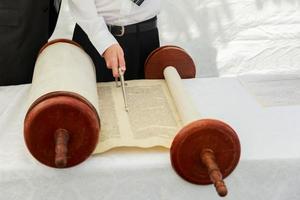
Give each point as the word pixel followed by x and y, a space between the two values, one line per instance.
pixel 61 147
pixel 208 159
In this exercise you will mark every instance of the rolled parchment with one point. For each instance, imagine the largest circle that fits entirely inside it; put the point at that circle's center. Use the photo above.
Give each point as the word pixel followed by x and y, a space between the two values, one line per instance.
pixel 64 66
pixel 62 125
pixel 186 108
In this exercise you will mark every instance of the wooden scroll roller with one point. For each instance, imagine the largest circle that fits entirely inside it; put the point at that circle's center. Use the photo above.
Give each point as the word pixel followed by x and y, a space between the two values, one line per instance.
pixel 204 151
pixel 62 125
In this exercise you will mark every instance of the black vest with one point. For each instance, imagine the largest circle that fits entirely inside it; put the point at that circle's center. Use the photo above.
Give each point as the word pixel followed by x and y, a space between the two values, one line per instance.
pixel 24 29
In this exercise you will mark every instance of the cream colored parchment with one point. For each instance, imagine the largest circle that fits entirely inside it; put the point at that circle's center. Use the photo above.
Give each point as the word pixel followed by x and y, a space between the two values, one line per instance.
pixel 152 119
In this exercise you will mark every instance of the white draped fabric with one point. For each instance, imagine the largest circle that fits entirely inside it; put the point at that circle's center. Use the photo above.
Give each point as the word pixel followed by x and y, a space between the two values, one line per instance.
pixel 268 169
pixel 227 37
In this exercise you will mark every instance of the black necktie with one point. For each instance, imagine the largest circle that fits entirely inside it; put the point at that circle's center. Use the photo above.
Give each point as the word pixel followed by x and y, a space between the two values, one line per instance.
pixel 138 2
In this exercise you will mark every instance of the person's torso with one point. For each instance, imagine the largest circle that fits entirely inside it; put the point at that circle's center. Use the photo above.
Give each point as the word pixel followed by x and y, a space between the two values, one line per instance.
pixel 125 12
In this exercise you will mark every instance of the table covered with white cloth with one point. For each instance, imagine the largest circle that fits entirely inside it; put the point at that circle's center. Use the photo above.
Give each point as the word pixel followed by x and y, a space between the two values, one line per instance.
pixel 268 129
pixel 224 37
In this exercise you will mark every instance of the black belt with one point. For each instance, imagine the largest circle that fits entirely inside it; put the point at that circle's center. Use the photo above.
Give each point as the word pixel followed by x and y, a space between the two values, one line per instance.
pixel 147 25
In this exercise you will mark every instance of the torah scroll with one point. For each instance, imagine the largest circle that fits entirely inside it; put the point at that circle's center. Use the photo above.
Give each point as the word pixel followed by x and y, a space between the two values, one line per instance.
pixel 62 125
pixel 158 108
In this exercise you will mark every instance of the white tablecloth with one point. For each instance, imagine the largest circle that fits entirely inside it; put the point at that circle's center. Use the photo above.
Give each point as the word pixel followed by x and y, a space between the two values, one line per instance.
pixel 268 169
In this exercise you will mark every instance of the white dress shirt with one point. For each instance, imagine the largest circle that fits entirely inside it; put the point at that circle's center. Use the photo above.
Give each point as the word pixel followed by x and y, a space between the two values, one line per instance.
pixel 94 15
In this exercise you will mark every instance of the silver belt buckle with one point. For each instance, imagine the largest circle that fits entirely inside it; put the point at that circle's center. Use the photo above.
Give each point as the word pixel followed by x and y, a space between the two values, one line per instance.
pixel 122 31
pixel 117 34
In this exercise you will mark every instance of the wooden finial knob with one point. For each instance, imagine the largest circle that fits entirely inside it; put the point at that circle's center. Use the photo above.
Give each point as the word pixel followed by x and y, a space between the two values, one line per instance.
pixel 48 142
pixel 206 151
pixel 165 56
pixel 61 147
pixel 208 159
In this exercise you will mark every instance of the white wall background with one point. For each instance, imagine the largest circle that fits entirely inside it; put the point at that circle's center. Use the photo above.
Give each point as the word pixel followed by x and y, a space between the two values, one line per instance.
pixel 228 37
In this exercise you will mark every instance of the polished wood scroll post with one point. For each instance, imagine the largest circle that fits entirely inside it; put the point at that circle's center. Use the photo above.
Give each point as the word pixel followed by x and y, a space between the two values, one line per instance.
pixel 61 147
pixel 209 160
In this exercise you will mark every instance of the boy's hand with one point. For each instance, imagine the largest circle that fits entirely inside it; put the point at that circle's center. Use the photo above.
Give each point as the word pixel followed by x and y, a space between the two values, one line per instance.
pixel 114 58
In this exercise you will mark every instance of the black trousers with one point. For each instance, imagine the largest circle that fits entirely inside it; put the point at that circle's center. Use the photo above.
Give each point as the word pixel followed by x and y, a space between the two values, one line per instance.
pixel 25 27
pixel 136 47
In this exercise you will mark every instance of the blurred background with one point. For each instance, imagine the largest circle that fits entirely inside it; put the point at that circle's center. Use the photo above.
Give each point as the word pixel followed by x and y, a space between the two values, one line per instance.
pixel 226 37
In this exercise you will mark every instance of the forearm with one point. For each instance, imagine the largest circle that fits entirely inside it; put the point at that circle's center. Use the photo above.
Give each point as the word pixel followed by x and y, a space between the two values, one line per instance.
pixel 86 15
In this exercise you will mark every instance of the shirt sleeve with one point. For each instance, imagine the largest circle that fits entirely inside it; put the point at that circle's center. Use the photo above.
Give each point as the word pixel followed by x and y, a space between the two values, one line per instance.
pixel 86 16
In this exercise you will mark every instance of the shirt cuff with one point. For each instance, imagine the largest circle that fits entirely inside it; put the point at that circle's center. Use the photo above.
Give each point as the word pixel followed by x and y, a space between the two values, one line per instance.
pixel 103 40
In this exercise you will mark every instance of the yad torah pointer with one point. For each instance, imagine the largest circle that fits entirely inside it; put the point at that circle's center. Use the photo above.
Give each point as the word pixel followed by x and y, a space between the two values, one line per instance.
pixel 123 84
